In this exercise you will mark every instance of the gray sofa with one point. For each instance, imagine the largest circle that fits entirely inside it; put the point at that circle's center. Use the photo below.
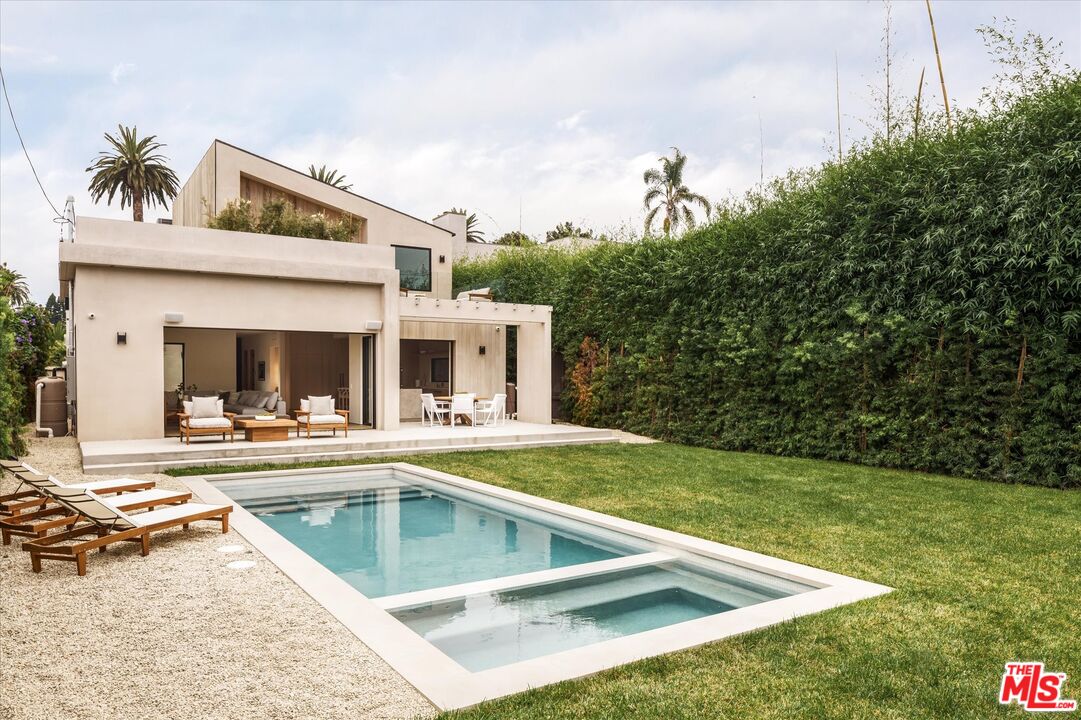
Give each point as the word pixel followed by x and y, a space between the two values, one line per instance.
pixel 253 402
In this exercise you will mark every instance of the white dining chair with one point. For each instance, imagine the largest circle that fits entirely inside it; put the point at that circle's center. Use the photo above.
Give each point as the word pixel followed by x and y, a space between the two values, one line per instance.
pixel 491 412
pixel 463 404
pixel 432 410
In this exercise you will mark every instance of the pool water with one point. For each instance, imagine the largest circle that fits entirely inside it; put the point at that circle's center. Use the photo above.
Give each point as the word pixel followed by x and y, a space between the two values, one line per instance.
pixel 493 629
pixel 391 534
pixel 395 538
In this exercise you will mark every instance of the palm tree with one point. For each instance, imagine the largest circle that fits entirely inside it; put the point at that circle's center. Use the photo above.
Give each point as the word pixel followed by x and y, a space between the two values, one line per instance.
pixel 13 286
pixel 666 185
pixel 132 168
pixel 472 232
pixel 330 177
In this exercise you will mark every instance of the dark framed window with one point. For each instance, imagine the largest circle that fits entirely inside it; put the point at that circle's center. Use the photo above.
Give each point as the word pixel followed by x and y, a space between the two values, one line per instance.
pixel 414 267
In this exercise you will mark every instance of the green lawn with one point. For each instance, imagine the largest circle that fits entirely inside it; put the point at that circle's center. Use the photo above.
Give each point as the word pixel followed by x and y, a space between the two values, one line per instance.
pixel 983 574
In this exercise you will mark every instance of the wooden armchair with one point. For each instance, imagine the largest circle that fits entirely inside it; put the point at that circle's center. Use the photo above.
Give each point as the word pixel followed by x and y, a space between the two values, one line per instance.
pixel 334 423
pixel 205 426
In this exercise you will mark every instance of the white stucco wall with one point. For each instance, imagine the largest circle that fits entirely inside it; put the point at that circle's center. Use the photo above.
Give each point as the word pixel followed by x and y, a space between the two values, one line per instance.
pixel 126 276
pixel 217 180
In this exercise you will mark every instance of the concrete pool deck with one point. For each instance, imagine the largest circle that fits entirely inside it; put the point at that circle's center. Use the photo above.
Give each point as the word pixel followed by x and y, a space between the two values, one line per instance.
pixel 177 633
pixel 124 457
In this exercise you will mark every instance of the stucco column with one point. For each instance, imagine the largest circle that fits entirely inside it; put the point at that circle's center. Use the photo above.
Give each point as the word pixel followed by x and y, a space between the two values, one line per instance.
pixel 535 369
pixel 387 368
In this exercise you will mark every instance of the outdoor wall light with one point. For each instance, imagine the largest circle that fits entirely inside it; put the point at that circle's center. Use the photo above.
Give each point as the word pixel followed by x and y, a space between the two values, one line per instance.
pixel 174 317
pixel 121 338
pixel 483 349
pixel 374 325
pixel 442 258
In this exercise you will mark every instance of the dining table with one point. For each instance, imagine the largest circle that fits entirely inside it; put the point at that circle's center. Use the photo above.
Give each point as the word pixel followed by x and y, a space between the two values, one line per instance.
pixel 468 419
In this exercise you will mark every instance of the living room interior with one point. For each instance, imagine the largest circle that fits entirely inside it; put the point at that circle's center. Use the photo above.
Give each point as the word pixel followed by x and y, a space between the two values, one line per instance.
pixel 258 371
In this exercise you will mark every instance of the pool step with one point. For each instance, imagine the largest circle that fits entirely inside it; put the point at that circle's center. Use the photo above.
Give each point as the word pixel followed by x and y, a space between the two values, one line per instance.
pixel 515 582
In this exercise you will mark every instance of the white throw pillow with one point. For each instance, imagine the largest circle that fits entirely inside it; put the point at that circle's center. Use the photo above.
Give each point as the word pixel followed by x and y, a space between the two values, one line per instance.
pixel 271 403
pixel 187 407
pixel 305 406
pixel 205 407
pixel 321 404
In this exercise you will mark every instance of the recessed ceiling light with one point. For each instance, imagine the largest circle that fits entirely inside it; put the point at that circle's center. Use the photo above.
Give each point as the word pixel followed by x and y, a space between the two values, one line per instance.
pixel 241 565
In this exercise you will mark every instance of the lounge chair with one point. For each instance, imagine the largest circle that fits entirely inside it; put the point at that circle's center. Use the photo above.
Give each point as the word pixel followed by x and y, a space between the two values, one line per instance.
pixel 22 501
pixel 312 416
pixel 38 523
pixel 478 295
pixel 111 525
pixel 15 466
pixel 204 420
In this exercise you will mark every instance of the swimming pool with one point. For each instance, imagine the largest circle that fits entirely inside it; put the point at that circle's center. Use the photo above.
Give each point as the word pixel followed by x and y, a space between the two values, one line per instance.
pixel 472 591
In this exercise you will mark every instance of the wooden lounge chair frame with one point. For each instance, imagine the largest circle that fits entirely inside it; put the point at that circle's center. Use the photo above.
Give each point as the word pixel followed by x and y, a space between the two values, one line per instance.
pixel 15 466
pixel 108 530
pixel 17 503
pixel 335 427
pixel 186 431
pixel 37 524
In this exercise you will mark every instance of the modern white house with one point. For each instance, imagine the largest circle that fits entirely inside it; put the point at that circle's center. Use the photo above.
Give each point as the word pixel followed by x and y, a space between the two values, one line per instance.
pixel 371 322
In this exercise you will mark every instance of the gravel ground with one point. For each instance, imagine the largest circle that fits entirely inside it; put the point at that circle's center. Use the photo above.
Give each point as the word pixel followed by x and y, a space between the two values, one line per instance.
pixel 177 633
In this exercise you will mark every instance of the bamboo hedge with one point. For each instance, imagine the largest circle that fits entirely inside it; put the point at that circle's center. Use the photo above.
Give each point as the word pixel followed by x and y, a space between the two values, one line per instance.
pixel 916 307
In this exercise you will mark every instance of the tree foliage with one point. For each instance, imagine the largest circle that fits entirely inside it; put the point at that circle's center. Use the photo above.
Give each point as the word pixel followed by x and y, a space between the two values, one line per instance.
pixel 473 233
pixel 668 196
pixel 515 238
pixel 917 306
pixel 330 177
pixel 11 391
pixel 567 229
pixel 13 286
pixel 133 168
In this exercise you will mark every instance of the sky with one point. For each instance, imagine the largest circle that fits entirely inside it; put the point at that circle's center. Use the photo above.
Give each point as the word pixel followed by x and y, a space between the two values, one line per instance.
pixel 528 114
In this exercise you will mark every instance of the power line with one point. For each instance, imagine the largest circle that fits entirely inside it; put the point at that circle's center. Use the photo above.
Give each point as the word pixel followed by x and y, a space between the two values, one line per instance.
pixel 11 112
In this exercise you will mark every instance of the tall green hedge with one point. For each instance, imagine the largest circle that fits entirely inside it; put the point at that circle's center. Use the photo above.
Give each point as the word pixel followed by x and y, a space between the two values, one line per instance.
pixel 916 306
pixel 11 386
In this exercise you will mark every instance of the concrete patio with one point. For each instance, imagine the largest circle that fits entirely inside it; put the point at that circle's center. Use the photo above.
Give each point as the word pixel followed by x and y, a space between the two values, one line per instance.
pixel 120 457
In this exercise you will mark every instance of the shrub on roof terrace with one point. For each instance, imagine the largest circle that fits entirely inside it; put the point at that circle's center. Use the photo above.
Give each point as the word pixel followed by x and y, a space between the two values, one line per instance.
pixel 917 306
pixel 279 217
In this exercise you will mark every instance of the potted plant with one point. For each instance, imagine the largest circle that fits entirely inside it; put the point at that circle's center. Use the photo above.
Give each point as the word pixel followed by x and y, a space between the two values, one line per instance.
pixel 181 391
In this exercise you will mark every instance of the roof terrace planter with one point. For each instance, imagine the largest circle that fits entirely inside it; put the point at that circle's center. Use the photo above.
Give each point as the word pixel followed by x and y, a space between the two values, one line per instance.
pixel 279 217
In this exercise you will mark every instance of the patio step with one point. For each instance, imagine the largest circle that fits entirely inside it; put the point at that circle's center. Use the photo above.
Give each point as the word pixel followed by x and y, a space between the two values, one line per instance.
pixel 137 462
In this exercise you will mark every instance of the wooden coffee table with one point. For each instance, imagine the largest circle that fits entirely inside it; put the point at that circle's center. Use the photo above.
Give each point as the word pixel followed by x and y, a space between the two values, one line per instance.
pixel 265 430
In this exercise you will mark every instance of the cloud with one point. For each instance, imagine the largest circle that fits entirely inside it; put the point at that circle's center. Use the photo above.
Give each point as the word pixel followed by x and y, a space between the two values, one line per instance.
pixel 29 56
pixel 120 70
pixel 525 113
pixel 572 121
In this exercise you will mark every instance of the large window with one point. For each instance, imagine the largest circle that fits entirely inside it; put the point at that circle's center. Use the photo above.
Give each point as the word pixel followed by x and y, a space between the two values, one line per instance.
pixel 415 267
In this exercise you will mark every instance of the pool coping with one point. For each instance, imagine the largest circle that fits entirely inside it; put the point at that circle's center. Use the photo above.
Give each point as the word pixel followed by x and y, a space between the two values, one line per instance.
pixel 450 686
